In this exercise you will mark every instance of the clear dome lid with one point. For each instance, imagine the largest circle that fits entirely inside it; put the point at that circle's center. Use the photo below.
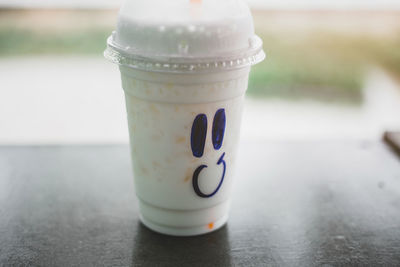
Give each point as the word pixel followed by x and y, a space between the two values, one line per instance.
pixel 184 35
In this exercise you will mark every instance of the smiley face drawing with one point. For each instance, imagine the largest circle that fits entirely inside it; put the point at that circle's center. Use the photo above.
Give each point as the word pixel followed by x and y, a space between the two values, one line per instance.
pixel 198 140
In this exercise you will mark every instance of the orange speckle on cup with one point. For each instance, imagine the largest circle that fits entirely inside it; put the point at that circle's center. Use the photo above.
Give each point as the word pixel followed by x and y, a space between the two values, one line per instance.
pixel 188 175
pixel 211 225
pixel 154 108
pixel 156 164
pixel 144 170
pixel 180 139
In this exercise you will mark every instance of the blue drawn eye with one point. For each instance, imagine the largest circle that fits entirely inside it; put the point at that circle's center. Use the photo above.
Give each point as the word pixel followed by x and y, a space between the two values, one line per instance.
pixel 198 136
pixel 218 128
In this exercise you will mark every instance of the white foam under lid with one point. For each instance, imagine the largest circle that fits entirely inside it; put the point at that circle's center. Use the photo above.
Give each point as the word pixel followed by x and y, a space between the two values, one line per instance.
pixel 184 35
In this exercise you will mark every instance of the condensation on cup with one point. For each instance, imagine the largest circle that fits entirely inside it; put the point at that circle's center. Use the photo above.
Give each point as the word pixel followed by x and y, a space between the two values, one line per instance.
pixel 184 69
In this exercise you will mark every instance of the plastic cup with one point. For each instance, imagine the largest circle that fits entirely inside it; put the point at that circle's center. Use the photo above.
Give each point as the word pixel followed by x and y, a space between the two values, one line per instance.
pixel 184 112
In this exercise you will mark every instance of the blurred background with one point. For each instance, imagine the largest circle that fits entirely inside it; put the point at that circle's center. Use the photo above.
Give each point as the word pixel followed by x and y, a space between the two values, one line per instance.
pixel 332 71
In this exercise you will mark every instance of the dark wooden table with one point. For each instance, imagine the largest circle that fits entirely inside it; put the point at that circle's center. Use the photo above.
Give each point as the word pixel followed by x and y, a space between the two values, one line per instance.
pixel 295 204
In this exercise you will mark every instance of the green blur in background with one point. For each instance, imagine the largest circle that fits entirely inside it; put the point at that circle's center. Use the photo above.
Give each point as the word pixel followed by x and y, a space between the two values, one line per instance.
pixel 321 64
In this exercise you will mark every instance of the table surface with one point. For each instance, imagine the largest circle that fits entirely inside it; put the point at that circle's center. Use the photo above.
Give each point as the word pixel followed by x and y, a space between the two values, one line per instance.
pixel 295 204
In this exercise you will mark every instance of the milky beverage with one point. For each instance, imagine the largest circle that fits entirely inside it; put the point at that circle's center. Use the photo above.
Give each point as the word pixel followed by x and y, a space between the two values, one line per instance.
pixel 184 69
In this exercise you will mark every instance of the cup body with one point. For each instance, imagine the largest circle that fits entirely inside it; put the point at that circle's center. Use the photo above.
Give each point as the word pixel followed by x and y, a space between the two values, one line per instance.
pixel 184 131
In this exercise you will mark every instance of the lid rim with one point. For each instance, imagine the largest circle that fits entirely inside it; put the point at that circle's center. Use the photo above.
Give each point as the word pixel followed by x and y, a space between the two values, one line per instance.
pixel 180 64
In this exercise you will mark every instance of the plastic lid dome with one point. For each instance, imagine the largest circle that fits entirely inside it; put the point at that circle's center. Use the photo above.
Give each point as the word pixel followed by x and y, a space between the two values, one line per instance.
pixel 184 35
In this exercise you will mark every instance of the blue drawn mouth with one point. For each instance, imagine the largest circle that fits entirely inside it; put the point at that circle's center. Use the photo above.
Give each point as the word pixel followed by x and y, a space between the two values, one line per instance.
pixel 198 140
pixel 195 179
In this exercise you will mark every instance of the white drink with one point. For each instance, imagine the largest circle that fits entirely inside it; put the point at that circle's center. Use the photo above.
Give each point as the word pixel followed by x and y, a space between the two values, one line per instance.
pixel 184 111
